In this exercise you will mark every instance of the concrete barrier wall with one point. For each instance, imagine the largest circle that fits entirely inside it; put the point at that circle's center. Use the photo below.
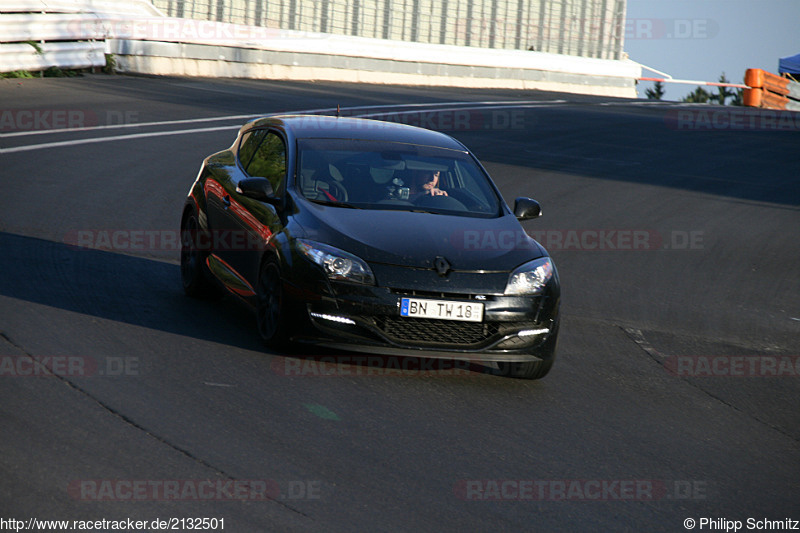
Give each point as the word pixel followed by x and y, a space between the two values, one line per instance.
pixel 284 54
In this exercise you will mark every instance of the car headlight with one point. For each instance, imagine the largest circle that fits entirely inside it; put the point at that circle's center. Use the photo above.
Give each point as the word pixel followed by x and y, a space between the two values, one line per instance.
pixel 531 277
pixel 337 264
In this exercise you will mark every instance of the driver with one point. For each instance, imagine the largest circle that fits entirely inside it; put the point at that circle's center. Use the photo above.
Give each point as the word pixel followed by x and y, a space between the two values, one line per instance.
pixel 426 182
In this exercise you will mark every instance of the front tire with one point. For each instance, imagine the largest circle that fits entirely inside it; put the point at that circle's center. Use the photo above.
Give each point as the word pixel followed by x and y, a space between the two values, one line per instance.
pixel 271 306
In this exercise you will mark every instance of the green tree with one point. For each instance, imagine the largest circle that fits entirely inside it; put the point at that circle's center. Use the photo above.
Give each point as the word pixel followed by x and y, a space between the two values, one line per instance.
pixel 656 92
pixel 698 96
pixel 738 96
pixel 723 92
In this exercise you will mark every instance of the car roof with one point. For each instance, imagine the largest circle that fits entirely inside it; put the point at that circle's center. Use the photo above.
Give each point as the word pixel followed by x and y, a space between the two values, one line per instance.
pixel 328 127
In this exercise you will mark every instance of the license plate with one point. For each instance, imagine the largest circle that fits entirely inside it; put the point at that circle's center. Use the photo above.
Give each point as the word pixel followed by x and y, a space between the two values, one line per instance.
pixel 441 309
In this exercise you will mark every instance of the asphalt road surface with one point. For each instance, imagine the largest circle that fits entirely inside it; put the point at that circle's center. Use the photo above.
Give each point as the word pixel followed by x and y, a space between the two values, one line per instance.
pixel 675 394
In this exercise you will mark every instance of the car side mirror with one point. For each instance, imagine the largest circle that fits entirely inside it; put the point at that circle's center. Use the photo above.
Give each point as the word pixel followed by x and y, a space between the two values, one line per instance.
pixel 527 208
pixel 257 189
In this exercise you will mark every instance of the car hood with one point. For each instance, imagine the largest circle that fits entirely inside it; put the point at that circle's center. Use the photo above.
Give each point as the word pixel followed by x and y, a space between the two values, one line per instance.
pixel 417 239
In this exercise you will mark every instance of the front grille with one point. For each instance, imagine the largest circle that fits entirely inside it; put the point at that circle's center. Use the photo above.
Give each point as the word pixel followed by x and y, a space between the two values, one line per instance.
pixel 442 295
pixel 429 332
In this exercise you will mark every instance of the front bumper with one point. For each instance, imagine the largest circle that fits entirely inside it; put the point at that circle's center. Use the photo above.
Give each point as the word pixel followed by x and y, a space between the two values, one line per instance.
pixel 367 319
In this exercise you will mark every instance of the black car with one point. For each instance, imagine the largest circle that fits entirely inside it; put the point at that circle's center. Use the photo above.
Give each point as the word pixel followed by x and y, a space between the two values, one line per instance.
pixel 374 237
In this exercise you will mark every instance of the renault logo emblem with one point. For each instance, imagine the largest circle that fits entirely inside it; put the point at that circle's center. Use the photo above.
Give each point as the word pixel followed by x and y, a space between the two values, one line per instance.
pixel 442 266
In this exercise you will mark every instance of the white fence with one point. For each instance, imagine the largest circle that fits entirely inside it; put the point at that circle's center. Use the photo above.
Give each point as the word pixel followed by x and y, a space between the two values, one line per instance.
pixel 585 28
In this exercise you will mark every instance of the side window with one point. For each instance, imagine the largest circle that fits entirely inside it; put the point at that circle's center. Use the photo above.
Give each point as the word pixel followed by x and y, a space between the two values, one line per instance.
pixel 269 160
pixel 248 146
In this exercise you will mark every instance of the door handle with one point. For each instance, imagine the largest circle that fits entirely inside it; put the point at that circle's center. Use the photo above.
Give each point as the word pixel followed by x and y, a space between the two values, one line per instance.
pixel 226 201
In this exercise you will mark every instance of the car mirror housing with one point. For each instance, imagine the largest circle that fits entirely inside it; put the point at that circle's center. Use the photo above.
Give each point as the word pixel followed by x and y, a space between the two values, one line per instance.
pixel 527 208
pixel 257 189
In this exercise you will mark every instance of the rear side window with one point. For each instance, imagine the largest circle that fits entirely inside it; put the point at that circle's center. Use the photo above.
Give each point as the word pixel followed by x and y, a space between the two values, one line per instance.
pixel 248 146
pixel 266 157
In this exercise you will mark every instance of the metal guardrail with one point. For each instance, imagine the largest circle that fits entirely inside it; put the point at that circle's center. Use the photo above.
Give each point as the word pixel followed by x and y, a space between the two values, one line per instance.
pixel 21 27
pixel 586 28
pixel 115 7
pixel 23 56
pixel 40 34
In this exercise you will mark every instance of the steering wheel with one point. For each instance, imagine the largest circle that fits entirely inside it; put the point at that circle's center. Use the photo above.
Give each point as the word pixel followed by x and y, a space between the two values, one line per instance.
pixel 336 190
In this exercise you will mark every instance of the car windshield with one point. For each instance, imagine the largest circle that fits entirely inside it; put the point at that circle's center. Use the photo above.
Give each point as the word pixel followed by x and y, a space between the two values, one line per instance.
pixel 397 176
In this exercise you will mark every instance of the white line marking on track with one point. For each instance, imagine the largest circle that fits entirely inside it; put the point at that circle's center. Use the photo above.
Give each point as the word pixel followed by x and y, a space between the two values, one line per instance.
pixel 448 109
pixel 521 103
pixel 108 139
pixel 638 337
pixel 469 105
pixel 130 125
